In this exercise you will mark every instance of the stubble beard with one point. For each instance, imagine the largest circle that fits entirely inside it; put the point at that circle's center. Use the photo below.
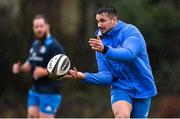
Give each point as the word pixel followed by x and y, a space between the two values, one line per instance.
pixel 42 38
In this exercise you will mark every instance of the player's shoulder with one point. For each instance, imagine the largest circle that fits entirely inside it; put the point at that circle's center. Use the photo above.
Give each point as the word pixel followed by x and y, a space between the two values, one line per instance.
pixel 49 40
pixel 54 43
pixel 130 27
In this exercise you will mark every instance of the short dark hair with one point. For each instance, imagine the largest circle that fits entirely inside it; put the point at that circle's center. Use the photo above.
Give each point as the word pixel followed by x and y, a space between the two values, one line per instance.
pixel 107 9
pixel 41 16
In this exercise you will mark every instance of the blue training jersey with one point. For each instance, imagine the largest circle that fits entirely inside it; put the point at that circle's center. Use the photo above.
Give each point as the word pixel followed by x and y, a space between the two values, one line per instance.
pixel 125 65
pixel 39 55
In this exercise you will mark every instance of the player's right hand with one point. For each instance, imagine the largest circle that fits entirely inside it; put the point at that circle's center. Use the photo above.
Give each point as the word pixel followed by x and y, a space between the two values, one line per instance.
pixel 16 67
pixel 74 74
pixel 96 44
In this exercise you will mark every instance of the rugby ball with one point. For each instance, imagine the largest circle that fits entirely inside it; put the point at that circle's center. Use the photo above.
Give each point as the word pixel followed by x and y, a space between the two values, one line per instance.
pixel 58 66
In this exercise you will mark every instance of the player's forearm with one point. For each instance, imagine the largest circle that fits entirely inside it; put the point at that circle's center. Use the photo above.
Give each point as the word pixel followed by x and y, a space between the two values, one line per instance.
pixel 26 67
pixel 101 78
pixel 45 72
pixel 119 54
pixel 39 72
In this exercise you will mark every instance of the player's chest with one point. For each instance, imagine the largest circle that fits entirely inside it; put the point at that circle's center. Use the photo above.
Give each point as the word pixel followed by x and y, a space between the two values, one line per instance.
pixel 38 53
pixel 113 41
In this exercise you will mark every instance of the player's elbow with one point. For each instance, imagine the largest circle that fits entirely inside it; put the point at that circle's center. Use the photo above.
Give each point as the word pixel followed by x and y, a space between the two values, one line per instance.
pixel 130 56
pixel 107 80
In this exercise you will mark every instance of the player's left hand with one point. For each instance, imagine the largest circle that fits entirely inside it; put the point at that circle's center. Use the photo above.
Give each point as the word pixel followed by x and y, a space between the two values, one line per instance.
pixel 39 72
pixel 96 44
pixel 74 74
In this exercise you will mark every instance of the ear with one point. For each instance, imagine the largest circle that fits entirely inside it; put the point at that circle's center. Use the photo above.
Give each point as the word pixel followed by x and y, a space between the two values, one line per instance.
pixel 114 19
pixel 48 26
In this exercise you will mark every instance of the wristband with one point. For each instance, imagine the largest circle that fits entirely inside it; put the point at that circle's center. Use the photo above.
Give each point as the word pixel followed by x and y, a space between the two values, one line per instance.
pixel 105 49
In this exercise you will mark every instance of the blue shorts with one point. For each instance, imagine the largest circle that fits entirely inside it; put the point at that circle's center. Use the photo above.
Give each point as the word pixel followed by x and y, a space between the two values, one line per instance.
pixel 140 107
pixel 47 103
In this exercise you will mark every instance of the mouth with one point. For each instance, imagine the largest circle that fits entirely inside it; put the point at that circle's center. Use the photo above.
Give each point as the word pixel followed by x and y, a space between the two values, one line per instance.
pixel 40 35
pixel 102 29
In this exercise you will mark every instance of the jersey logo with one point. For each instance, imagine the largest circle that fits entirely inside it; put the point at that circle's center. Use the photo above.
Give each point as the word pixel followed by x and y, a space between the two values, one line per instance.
pixel 34 54
pixel 42 49
pixel 31 51
pixel 48 108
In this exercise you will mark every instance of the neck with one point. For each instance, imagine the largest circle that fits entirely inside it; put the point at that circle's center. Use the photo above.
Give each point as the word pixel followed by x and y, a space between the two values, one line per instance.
pixel 117 21
pixel 42 38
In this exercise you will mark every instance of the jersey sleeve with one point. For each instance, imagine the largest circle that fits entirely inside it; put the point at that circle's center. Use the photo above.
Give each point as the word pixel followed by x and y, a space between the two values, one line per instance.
pixel 133 44
pixel 103 77
pixel 56 48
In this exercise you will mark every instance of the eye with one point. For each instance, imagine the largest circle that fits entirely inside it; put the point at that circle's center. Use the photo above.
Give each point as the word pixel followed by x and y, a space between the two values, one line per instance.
pixel 102 20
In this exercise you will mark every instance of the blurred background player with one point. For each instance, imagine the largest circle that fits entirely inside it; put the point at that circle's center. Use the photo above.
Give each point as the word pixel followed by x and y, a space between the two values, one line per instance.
pixel 44 95
pixel 123 63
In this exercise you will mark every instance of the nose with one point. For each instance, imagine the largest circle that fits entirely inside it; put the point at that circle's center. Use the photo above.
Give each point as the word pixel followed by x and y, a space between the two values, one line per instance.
pixel 99 25
pixel 38 28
